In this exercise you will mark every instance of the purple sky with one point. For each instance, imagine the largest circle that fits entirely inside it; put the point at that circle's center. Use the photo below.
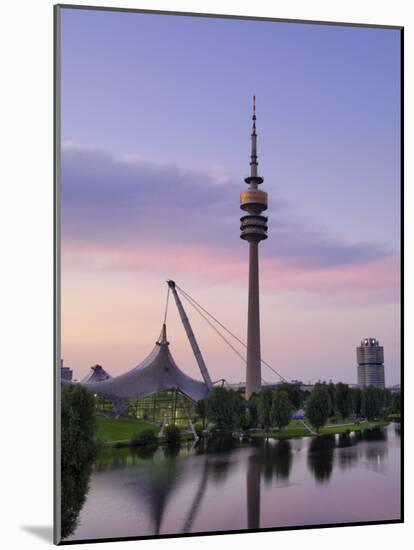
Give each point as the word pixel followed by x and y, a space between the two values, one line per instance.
pixel 156 115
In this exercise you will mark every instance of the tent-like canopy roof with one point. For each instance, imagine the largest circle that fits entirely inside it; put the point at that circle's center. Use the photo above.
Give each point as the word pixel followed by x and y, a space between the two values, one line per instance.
pixel 156 373
pixel 96 374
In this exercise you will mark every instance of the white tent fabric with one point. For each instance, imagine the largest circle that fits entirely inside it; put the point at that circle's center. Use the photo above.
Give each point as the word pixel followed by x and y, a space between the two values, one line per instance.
pixel 96 374
pixel 156 373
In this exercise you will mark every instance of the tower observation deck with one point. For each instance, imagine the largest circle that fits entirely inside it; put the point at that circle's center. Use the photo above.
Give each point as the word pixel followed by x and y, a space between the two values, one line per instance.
pixel 253 229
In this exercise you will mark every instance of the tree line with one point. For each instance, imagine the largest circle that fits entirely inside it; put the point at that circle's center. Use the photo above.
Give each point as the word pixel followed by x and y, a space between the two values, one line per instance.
pixel 228 410
pixel 78 450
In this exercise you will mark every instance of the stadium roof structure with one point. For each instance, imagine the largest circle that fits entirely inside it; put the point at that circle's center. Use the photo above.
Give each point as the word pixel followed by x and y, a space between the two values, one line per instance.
pixel 158 372
pixel 96 374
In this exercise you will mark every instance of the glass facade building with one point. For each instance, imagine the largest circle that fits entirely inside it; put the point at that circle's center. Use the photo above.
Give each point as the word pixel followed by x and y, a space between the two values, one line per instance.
pixel 170 406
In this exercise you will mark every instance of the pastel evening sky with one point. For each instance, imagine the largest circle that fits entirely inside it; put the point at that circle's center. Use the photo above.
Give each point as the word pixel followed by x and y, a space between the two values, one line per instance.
pixel 156 121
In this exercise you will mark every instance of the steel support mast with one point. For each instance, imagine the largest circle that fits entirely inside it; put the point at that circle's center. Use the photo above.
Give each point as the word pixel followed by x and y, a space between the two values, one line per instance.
pixel 190 335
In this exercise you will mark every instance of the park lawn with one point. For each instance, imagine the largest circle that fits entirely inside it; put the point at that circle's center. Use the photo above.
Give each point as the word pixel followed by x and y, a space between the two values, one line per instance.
pixel 354 427
pixel 296 429
pixel 119 429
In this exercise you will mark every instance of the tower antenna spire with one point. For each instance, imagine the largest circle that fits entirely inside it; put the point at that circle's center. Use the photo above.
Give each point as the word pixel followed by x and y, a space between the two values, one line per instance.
pixel 253 154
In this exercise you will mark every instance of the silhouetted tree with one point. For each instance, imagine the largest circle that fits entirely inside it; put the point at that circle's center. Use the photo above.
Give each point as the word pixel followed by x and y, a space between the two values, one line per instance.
pixel 357 401
pixel 224 407
pixel 201 411
pixel 240 416
pixel 78 450
pixel 331 389
pixel 294 393
pixel 386 399
pixel 172 434
pixel 265 400
pixel 352 401
pixel 342 399
pixel 252 410
pixel 396 403
pixel 281 410
pixel 371 399
pixel 318 406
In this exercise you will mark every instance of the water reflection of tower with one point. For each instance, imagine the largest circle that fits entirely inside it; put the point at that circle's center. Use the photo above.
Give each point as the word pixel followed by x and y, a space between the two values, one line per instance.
pixel 253 229
pixel 253 492
pixel 272 462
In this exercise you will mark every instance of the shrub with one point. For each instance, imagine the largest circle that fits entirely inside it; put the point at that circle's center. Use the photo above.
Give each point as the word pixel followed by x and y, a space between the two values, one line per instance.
pixel 172 434
pixel 201 409
pixel 145 437
pixel 198 428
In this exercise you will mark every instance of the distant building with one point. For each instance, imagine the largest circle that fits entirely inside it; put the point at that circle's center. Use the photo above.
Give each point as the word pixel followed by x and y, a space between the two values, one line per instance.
pixel 65 372
pixel 370 359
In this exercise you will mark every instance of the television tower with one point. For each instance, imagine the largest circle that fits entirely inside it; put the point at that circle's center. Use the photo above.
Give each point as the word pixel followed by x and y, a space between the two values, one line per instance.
pixel 253 229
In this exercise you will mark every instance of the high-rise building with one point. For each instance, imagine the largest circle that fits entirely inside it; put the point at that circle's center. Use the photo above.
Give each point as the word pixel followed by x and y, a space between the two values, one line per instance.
pixel 253 229
pixel 370 359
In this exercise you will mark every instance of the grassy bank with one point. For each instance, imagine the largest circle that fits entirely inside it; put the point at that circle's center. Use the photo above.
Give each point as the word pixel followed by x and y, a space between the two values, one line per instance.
pixel 111 430
pixel 297 429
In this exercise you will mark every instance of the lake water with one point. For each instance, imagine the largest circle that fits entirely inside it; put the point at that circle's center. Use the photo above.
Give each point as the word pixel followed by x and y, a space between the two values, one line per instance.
pixel 224 485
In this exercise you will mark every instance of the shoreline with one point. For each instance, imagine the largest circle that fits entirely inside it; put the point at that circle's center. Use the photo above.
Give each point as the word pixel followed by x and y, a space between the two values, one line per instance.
pixel 286 433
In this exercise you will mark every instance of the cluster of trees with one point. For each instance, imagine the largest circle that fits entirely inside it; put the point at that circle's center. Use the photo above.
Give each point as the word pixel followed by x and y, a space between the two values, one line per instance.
pixel 227 409
pixel 331 399
pixel 78 450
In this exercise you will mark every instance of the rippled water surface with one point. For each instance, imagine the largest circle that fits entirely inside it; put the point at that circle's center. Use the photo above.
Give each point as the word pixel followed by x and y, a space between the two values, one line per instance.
pixel 221 485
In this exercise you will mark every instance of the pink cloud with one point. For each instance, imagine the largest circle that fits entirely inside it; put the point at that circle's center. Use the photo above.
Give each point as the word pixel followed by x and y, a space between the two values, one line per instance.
pixel 375 281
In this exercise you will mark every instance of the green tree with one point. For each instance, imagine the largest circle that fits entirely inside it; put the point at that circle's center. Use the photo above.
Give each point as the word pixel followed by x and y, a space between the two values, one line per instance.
pixel 78 450
pixel 396 403
pixel 172 434
pixel 294 393
pixel 318 406
pixel 331 388
pixel 371 402
pixel 342 399
pixel 352 399
pixel 264 406
pixel 223 407
pixel 239 411
pixel 281 410
pixel 201 410
pixel 252 410
pixel 357 401
pixel 386 399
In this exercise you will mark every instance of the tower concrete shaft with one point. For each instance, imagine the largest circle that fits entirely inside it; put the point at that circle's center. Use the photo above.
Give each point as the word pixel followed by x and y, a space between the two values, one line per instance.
pixel 253 229
pixel 254 367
